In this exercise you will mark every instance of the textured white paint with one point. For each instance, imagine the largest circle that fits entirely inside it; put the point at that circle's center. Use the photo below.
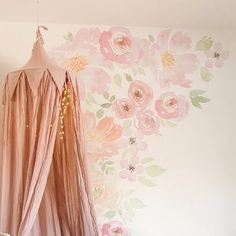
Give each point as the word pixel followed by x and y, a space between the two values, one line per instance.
pixel 160 13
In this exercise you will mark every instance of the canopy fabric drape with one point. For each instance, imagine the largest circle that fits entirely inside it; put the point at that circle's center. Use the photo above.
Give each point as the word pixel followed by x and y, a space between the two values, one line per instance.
pixel 44 182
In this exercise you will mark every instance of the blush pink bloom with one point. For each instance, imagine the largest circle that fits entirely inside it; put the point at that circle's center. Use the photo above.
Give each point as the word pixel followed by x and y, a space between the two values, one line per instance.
pixel 147 122
pixel 216 56
pixel 124 108
pixel 118 45
pixel 132 139
pixel 101 138
pixel 140 93
pixel 131 168
pixel 174 60
pixel 115 228
pixel 172 106
pixel 96 80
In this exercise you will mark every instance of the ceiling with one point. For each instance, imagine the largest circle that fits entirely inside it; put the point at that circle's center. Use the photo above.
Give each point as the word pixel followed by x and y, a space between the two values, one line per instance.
pixel 215 14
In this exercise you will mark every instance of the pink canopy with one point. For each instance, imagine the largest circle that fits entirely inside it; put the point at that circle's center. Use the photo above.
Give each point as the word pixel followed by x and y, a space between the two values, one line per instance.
pixel 43 177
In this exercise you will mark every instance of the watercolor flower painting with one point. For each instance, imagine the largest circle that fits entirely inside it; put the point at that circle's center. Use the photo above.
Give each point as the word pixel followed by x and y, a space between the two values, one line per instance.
pixel 132 87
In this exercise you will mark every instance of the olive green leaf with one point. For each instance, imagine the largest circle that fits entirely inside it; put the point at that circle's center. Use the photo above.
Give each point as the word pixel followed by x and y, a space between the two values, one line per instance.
pixel 205 74
pixel 136 203
pixel 197 99
pixel 147 160
pixel 100 113
pixel 204 43
pixel 110 214
pixel 154 170
pixel 146 182
pixel 106 95
pixel 128 77
pixel 106 105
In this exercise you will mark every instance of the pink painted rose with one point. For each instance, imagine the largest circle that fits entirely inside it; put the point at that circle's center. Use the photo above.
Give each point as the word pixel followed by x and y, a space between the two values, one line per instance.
pixel 216 56
pixel 124 108
pixel 131 168
pixel 115 228
pixel 133 140
pixel 118 45
pixel 171 106
pixel 147 122
pixel 96 80
pixel 102 137
pixel 140 93
pixel 174 60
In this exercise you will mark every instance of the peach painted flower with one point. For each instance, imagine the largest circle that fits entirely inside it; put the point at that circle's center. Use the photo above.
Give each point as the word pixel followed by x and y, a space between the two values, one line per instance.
pixel 115 228
pixel 216 56
pixel 124 108
pixel 171 106
pixel 101 137
pixel 147 122
pixel 106 196
pixel 174 59
pixel 131 168
pixel 140 93
pixel 132 139
pixel 118 45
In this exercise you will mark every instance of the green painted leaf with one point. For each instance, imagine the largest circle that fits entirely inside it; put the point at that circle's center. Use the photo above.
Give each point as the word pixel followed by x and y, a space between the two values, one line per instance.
pixel 195 93
pixel 70 36
pixel 129 209
pixel 146 182
pixel 112 98
pixel 91 98
pixel 109 162
pixel 154 170
pixel 195 102
pixel 110 214
pixel 130 192
pixel 136 203
pixel 141 71
pixel 106 105
pixel 127 124
pixel 204 44
pixel 151 38
pixel 100 113
pixel 147 160
pixel 117 80
pixel 128 77
pixel 171 124
pixel 106 95
pixel 203 99
pixel 205 74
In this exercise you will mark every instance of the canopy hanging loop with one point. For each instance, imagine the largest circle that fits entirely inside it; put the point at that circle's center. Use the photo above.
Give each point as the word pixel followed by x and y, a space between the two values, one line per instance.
pixel 39 34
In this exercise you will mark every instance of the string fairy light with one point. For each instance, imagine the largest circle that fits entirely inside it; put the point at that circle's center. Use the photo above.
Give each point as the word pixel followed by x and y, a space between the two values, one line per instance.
pixel 65 102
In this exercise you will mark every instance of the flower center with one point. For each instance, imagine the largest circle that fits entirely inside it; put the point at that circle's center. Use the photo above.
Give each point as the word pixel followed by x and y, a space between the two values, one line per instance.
pixel 167 60
pixel 132 140
pixel 172 102
pixel 216 55
pixel 149 122
pixel 76 64
pixel 126 107
pixel 131 168
pixel 121 45
pixel 138 94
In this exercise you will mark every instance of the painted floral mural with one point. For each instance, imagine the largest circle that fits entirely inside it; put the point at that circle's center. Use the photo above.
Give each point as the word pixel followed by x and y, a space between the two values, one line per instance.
pixel 131 89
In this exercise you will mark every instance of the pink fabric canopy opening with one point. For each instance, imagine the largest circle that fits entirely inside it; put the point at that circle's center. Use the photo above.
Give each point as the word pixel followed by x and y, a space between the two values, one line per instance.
pixel 43 178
